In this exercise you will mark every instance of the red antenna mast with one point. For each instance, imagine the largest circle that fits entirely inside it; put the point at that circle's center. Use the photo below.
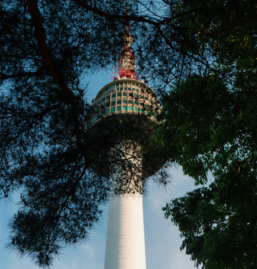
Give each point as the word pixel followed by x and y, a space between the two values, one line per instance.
pixel 127 61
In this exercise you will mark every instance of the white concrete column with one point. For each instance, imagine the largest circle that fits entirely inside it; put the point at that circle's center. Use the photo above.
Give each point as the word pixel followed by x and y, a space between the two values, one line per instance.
pixel 125 244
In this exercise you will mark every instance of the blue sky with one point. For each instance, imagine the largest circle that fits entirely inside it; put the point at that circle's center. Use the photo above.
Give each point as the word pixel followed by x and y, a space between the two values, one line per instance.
pixel 161 236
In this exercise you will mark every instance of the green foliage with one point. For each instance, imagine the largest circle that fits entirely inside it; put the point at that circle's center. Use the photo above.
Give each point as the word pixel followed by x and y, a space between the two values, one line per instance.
pixel 209 123
pixel 226 27
pixel 219 222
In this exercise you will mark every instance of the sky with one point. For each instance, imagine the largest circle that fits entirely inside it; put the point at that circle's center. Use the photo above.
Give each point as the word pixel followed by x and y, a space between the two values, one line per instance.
pixel 162 238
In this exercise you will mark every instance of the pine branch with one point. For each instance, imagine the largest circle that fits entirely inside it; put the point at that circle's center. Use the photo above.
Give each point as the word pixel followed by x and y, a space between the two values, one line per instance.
pixel 114 16
pixel 37 21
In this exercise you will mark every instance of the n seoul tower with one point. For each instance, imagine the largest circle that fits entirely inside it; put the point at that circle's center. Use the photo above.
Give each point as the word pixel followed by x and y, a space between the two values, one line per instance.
pixel 125 104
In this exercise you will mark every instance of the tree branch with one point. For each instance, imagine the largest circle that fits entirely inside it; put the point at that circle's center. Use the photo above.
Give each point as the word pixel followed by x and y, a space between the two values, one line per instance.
pixel 37 21
pixel 113 16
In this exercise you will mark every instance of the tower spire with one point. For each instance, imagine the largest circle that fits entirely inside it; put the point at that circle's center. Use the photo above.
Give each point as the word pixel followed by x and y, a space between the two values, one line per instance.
pixel 127 59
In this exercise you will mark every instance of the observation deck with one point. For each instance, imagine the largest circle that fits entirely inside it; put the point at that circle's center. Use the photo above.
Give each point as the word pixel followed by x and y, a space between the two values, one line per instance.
pixel 124 96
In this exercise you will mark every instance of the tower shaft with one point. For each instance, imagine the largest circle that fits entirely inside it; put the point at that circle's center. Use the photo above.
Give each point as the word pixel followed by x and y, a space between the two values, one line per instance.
pixel 125 245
